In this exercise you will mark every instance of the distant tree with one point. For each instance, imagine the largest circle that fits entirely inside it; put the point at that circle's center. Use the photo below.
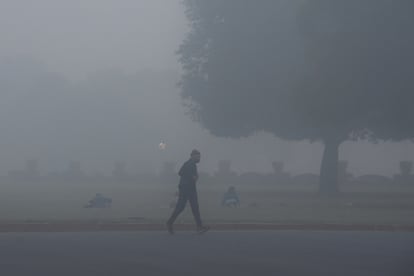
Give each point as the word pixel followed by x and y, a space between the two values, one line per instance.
pixel 119 172
pixel 405 176
pixel 322 70
pixel 224 173
pixel 74 171
pixel 279 176
pixel 406 168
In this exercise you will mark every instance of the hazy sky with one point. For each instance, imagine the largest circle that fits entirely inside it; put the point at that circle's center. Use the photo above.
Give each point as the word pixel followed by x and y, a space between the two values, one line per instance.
pixel 95 81
pixel 80 36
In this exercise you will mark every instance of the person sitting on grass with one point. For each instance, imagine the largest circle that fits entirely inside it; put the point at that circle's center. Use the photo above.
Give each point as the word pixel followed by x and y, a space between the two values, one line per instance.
pixel 99 201
pixel 230 198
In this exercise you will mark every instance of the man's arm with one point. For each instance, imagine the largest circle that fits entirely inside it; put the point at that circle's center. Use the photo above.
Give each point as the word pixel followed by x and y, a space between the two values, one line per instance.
pixel 195 173
pixel 182 171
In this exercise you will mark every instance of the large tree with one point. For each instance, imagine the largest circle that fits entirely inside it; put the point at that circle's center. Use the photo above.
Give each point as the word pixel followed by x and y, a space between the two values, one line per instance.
pixel 323 70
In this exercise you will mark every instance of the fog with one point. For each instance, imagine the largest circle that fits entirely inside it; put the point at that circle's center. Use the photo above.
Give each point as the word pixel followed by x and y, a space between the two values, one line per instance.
pixel 96 82
pixel 293 105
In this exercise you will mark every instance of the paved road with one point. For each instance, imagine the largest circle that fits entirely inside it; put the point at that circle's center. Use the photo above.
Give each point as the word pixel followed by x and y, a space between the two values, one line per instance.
pixel 254 253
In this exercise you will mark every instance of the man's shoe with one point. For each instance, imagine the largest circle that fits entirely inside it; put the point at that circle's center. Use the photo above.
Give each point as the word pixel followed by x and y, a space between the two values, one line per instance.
pixel 202 229
pixel 170 228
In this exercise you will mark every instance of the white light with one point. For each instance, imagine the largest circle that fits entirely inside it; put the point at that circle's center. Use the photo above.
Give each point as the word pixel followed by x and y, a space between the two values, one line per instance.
pixel 162 146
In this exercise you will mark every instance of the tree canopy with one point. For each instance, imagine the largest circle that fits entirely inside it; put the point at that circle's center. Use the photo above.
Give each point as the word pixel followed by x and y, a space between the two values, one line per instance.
pixel 323 70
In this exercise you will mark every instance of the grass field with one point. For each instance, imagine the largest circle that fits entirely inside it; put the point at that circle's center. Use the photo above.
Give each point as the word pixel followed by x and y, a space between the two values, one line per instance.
pixel 23 202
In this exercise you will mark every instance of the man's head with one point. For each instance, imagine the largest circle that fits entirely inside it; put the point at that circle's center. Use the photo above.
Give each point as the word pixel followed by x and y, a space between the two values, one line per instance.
pixel 195 156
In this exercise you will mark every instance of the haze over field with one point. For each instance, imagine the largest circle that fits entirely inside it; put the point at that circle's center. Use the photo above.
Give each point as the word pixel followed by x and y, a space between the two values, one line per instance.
pixel 96 82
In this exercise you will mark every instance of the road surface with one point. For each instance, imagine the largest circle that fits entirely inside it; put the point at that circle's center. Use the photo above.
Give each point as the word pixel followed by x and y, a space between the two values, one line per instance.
pixel 283 253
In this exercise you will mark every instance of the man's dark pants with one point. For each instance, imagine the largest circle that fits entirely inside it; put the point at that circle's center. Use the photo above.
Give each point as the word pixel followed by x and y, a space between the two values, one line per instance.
pixel 187 193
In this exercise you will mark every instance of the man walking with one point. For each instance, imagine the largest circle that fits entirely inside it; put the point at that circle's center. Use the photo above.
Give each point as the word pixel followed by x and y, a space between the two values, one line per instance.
pixel 188 192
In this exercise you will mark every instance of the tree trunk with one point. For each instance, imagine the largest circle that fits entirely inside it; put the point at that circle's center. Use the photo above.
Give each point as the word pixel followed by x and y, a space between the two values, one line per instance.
pixel 328 181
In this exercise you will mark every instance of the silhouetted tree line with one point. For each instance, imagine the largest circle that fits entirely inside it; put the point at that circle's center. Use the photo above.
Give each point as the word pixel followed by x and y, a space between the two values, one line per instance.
pixel 224 175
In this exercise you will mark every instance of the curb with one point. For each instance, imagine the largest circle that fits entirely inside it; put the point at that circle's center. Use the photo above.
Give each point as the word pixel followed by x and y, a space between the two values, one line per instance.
pixel 125 227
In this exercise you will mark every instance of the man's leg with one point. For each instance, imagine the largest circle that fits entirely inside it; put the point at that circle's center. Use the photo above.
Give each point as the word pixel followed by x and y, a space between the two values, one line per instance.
pixel 182 200
pixel 193 198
